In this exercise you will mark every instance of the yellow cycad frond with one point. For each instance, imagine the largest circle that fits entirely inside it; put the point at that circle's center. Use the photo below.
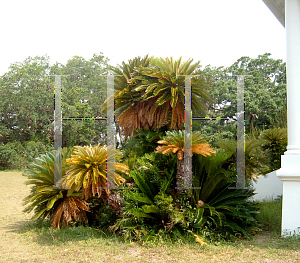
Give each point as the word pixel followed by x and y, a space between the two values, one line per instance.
pixel 199 240
pixel 203 149
pixel 87 170
pixel 122 168
pixel 162 142
pixel 174 142
pixel 166 149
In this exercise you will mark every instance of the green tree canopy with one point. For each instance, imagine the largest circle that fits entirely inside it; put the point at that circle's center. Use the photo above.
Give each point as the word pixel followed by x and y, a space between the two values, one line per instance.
pixel 26 104
pixel 265 93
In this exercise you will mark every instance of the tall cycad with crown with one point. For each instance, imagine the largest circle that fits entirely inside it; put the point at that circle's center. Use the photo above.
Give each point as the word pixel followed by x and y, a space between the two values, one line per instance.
pixel 173 142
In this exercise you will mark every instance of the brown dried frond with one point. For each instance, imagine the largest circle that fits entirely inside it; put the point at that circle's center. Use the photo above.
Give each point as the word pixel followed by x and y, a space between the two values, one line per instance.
pixel 70 209
pixel 145 114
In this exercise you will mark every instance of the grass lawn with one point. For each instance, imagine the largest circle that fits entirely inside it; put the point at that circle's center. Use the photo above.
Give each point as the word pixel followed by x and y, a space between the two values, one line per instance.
pixel 21 241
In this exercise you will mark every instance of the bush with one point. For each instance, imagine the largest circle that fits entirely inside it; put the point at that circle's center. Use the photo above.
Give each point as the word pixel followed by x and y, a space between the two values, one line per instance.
pixel 228 213
pixel 47 201
pixel 151 211
pixel 16 155
pixel 11 156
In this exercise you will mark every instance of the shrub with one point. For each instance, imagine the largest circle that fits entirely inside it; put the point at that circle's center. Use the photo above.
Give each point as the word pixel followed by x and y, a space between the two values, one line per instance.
pixel 16 155
pixel 151 212
pixel 8 156
pixel 228 212
pixel 47 201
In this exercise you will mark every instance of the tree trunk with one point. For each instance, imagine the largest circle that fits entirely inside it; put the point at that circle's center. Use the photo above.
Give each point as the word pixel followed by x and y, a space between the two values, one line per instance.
pixel 183 180
pixel 180 176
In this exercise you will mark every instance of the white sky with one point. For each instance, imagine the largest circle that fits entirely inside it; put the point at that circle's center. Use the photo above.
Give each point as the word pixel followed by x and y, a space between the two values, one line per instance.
pixel 216 32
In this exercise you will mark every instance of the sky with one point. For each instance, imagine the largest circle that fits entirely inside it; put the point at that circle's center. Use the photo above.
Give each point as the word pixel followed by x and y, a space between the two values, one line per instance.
pixel 216 32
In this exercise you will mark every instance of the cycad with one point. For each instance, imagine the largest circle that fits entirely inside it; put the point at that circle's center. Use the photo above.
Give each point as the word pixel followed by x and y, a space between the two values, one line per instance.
pixel 45 200
pixel 164 82
pixel 274 142
pixel 87 171
pixel 254 163
pixel 151 95
pixel 149 210
pixel 228 210
pixel 173 142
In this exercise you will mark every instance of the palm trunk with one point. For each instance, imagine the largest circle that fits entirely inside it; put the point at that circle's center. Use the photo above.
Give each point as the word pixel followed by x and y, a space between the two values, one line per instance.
pixel 180 176
pixel 183 180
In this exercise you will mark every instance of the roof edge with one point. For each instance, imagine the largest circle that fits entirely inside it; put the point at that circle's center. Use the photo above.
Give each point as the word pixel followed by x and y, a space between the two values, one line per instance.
pixel 277 7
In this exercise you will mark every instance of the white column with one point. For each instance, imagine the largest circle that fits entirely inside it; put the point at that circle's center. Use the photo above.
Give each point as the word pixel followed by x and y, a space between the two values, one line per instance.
pixel 290 161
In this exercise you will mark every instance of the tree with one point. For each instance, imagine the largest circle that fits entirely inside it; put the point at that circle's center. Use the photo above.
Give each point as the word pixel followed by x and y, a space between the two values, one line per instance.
pixel 173 142
pixel 155 95
pixel 83 91
pixel 265 94
pixel 26 102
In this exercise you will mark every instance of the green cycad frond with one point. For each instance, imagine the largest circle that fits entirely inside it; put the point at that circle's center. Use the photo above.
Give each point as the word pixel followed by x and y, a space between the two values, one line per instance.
pixel 276 136
pixel 44 199
pixel 274 142
pixel 156 90
pixel 254 164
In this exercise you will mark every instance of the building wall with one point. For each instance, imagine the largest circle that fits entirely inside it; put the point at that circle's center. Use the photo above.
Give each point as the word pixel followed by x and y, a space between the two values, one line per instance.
pixel 267 187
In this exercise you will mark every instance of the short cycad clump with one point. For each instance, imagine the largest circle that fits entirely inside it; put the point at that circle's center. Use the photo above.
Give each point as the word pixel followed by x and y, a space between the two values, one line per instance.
pixel 83 176
pixel 47 201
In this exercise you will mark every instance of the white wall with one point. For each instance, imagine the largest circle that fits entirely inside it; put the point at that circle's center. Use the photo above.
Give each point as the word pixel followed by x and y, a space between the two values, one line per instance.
pixel 267 187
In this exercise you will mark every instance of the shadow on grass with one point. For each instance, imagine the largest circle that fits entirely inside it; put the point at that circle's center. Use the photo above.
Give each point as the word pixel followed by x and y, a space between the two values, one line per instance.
pixel 43 234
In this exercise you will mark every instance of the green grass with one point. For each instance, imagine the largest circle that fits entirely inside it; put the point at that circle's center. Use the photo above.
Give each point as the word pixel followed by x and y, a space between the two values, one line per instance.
pixel 23 241
pixel 270 216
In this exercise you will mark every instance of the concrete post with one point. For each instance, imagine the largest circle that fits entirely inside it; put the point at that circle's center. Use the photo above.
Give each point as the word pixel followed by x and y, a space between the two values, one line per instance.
pixel 290 161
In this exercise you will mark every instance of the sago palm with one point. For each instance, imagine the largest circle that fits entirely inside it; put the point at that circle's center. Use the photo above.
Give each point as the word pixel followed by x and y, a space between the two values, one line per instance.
pixel 87 171
pixel 254 159
pixel 164 81
pixel 153 96
pixel 125 96
pixel 233 213
pixel 274 143
pixel 173 142
pixel 47 201
pixel 162 102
